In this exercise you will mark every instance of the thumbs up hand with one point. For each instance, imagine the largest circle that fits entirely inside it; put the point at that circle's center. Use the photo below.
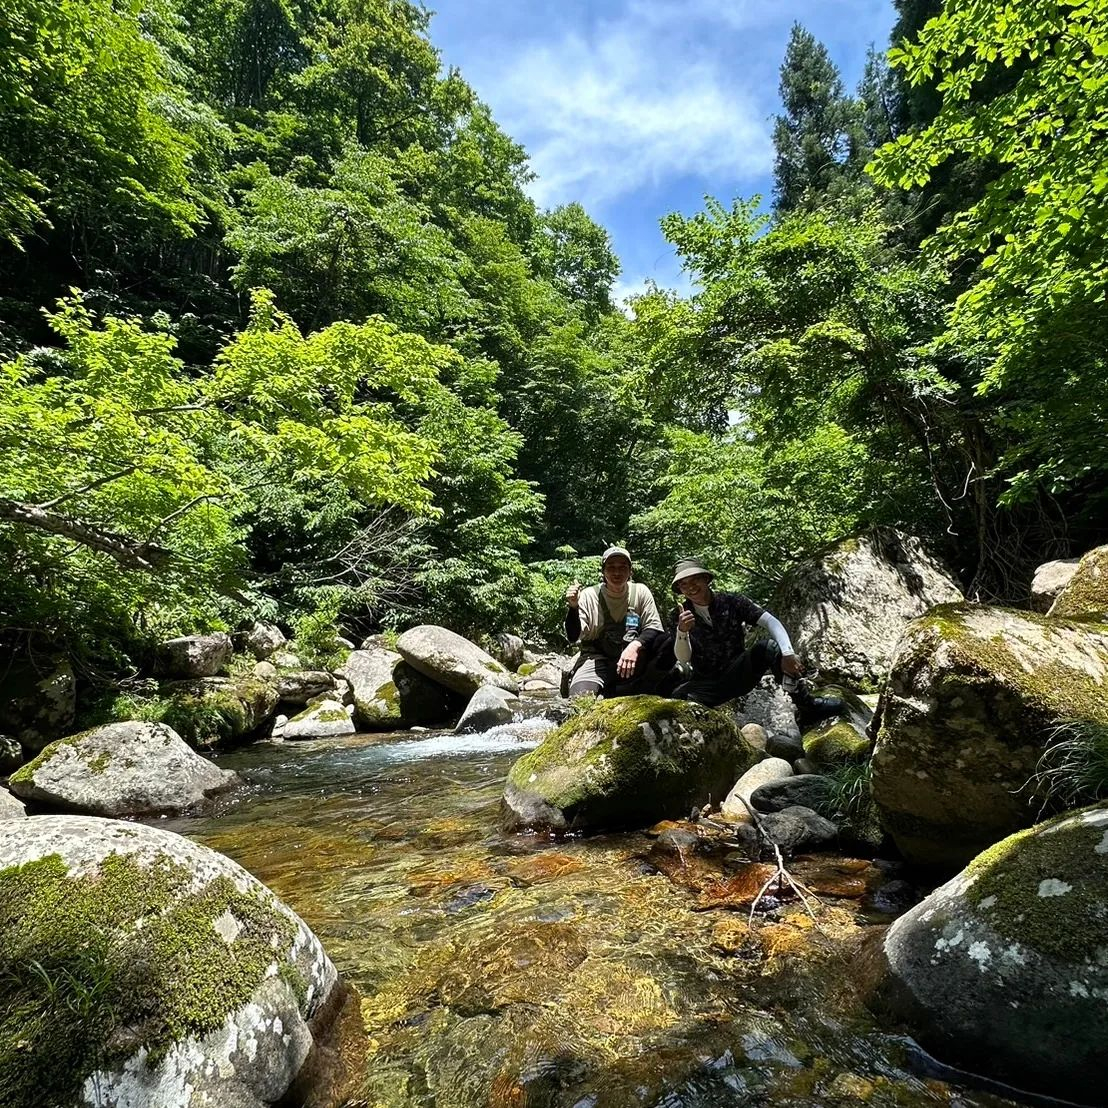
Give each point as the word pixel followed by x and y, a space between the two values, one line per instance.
pixel 572 594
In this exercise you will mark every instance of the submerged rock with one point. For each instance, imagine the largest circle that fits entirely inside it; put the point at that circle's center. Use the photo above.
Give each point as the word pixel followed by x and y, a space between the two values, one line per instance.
pixel 451 660
pixel 798 828
pixel 847 606
pixel 1003 969
pixel 121 769
pixel 1086 593
pixel 973 698
pixel 202 988
pixel 624 763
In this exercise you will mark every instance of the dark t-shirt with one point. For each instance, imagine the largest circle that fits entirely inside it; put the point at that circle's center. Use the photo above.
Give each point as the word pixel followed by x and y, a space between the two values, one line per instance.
pixel 713 647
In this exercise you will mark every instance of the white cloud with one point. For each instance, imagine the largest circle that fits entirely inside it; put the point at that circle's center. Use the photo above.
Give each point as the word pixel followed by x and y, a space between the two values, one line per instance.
pixel 629 107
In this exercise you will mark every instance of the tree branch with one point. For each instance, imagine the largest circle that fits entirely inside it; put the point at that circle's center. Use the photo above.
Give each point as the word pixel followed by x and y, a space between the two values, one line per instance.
pixel 47 504
pixel 125 550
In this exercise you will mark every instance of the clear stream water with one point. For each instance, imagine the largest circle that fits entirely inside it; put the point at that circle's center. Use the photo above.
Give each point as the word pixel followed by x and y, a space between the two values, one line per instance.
pixel 500 970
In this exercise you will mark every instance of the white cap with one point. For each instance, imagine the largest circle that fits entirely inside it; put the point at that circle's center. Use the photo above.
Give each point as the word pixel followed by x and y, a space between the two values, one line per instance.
pixel 612 551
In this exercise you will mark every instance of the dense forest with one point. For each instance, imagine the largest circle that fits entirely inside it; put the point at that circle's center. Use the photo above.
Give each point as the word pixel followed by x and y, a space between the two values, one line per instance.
pixel 282 334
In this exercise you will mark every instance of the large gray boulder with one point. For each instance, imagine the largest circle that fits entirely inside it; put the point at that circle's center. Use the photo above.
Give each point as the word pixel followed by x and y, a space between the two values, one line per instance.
pixel 301 686
pixel 1049 580
pixel 194 655
pixel 38 701
pixel 508 649
pixel 371 673
pixel 198 986
pixel 487 708
pixel 846 607
pixel 975 695
pixel 627 762
pixel 451 660
pixel 1086 593
pixel 120 769
pixel 1003 970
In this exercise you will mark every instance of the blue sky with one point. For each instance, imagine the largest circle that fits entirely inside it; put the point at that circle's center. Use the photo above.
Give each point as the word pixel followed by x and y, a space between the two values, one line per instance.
pixel 637 108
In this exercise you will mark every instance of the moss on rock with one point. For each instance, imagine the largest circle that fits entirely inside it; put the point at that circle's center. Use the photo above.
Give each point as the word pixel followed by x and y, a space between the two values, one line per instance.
pixel 1086 595
pixel 97 965
pixel 625 761
pixel 835 744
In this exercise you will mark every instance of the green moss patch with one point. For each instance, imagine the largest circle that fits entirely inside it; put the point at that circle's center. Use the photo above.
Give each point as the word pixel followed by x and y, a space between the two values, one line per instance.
pixel 1010 874
pixel 836 744
pixel 94 967
pixel 1087 591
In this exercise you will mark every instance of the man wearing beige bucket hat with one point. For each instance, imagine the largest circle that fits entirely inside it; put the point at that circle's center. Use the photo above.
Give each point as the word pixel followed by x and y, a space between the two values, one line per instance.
pixel 711 638
pixel 616 622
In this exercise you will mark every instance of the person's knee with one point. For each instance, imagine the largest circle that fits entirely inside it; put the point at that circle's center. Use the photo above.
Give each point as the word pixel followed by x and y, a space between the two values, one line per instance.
pixel 585 688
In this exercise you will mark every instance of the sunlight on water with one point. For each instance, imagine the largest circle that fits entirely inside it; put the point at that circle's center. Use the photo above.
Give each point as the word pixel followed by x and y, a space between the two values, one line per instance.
pixel 502 970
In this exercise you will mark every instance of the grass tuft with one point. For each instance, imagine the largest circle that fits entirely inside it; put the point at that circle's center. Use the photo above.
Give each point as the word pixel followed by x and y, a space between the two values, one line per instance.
pixel 1073 770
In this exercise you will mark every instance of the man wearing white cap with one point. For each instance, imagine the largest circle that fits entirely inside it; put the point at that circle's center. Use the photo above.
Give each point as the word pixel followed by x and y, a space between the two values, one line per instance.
pixel 711 638
pixel 616 622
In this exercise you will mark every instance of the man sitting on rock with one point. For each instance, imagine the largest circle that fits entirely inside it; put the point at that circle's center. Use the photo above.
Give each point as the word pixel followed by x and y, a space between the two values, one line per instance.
pixel 711 638
pixel 616 621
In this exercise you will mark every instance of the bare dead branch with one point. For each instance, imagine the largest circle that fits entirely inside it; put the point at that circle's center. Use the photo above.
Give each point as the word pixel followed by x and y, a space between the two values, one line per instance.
pixel 106 479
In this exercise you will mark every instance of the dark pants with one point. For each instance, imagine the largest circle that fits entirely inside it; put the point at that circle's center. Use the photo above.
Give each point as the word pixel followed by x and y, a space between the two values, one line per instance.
pixel 737 679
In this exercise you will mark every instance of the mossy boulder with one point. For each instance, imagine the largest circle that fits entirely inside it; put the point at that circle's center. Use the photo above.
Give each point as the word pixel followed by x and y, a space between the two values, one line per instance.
pixel 1004 969
pixel 627 762
pixel 847 606
pixel 325 720
pixel 138 967
pixel 451 660
pixel 974 695
pixel 843 739
pixel 1086 594
pixel 302 686
pixel 38 700
pixel 371 673
pixel 120 769
pixel 215 711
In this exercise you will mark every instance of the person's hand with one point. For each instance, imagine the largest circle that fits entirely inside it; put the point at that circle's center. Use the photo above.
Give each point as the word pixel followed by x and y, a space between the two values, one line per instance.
pixel 790 663
pixel 625 667
pixel 572 593
pixel 686 620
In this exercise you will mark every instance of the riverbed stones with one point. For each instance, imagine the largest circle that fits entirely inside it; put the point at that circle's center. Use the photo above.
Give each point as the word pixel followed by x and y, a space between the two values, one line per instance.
pixel 770 707
pixel 451 660
pixel 488 707
pixel 38 701
pixel 627 762
pixel 370 671
pixel 1003 970
pixel 1049 580
pixel 847 606
pixel 798 828
pixel 1086 593
pixel 208 990
pixel 733 810
pixel 194 655
pixel 120 769
pixel 974 697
